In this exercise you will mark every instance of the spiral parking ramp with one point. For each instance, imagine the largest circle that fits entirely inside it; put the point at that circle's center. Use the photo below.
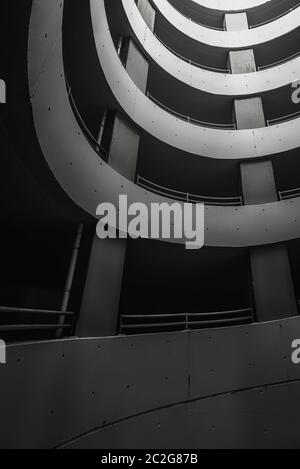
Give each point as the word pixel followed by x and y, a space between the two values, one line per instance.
pixel 139 343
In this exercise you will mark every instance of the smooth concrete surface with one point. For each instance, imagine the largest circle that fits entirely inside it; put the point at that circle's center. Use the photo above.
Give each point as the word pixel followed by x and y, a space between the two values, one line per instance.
pixel 272 283
pixel 242 61
pixel 258 182
pixel 249 113
pixel 236 21
pixel 148 13
pixel 213 82
pixel 229 39
pixel 124 148
pixel 137 66
pixel 99 313
pixel 89 180
pixel 69 388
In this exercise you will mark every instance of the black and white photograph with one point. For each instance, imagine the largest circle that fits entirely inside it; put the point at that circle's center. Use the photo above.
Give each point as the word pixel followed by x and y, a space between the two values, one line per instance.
pixel 150 235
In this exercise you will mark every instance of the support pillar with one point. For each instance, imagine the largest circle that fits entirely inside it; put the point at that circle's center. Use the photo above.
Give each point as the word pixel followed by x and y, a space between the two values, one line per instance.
pixel 148 12
pixel 99 314
pixel 236 21
pixel 240 61
pixel 271 273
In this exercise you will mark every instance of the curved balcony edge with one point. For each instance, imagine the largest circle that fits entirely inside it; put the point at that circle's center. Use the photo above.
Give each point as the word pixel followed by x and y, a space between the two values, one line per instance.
pixel 176 132
pixel 88 180
pixel 228 39
pixel 202 79
pixel 233 5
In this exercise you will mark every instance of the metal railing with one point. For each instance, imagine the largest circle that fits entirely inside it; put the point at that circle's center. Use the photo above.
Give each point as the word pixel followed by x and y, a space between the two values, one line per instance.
pixel 197 22
pixel 279 62
pixel 187 197
pixel 290 194
pixel 192 62
pixel 23 319
pixel 87 133
pixel 140 324
pixel 191 120
pixel 276 17
pixel 280 120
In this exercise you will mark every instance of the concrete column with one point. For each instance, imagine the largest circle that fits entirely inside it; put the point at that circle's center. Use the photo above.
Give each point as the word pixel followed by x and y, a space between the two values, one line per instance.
pixel 249 113
pixel 258 182
pixel 236 21
pixel 272 283
pixel 137 66
pixel 124 147
pixel 99 315
pixel 242 61
pixel 147 12
pixel 272 279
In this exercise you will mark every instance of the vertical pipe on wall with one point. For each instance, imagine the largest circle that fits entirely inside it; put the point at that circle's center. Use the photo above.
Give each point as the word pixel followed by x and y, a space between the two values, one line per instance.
pixel 70 278
pixel 102 126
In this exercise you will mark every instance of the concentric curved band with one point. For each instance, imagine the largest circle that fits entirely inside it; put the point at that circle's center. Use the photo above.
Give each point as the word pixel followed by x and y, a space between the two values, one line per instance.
pixel 228 39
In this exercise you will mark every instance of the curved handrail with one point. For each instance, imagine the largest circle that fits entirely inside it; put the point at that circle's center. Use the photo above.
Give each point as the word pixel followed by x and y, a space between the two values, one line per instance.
pixel 263 23
pixel 187 197
pixel 16 319
pixel 275 18
pixel 132 323
pixel 279 62
pixel 192 62
pixel 191 120
pixel 289 194
pixel 280 120
pixel 194 21
pixel 89 136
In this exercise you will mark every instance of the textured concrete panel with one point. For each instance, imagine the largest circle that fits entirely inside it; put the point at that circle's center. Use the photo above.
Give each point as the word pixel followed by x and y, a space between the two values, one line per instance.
pixel 235 358
pixel 62 389
pixel 259 418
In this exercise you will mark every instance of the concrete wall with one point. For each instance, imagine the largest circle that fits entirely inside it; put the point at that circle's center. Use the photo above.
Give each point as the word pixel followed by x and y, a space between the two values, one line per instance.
pixel 53 392
pixel 242 61
pixel 249 113
pixel 261 418
pixel 236 21
pixel 147 12
pixel 99 313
